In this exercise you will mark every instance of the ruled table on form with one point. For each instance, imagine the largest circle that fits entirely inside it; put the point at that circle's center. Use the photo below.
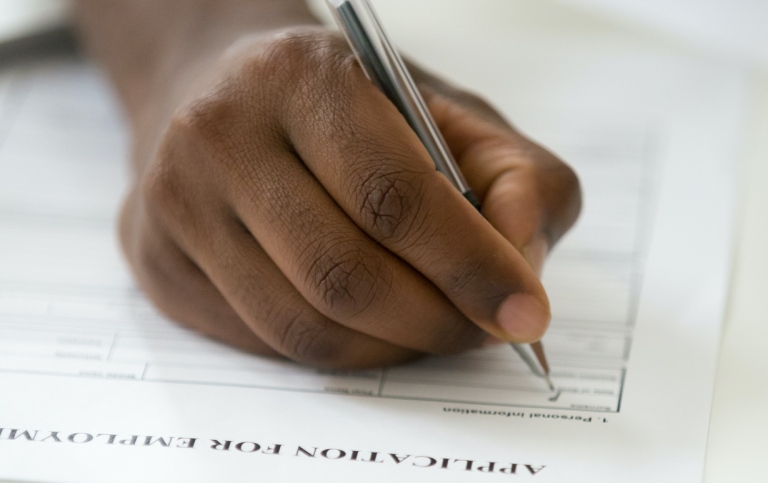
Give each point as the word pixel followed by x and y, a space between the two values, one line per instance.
pixel 68 306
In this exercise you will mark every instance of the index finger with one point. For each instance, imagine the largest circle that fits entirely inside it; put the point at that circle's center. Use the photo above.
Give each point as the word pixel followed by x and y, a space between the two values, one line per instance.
pixel 528 194
pixel 373 165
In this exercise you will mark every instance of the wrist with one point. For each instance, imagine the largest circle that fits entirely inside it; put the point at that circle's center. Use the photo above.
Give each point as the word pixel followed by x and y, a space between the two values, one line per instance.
pixel 189 49
pixel 154 50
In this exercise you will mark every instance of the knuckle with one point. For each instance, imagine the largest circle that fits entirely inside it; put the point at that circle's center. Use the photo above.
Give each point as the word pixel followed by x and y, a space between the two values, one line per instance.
pixel 389 202
pixel 205 123
pixel 301 63
pixel 310 340
pixel 175 200
pixel 221 127
pixel 192 135
pixel 559 174
pixel 301 54
pixel 146 259
pixel 162 188
pixel 561 189
pixel 544 179
pixel 568 181
pixel 286 56
pixel 344 278
pixel 221 147
pixel 158 276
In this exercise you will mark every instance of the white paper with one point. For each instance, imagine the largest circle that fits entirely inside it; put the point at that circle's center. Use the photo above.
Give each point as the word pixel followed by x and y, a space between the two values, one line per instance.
pixel 638 290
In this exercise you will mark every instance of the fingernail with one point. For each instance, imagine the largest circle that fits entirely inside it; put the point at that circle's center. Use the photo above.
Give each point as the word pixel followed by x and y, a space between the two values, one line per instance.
pixel 536 252
pixel 523 318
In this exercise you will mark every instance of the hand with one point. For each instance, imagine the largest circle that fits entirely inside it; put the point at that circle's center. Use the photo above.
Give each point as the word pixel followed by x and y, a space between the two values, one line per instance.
pixel 289 210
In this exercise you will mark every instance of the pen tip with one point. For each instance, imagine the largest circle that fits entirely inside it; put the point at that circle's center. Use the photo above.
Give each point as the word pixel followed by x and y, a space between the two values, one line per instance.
pixel 549 382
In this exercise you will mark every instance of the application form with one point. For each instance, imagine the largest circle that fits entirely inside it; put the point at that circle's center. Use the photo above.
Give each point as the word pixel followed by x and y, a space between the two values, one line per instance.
pixel 96 385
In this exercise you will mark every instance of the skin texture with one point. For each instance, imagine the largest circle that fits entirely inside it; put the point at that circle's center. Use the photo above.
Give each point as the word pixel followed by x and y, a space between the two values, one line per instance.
pixel 283 205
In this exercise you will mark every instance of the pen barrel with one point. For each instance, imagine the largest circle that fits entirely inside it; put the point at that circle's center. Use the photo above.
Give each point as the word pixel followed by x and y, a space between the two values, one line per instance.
pixel 387 71
pixel 385 68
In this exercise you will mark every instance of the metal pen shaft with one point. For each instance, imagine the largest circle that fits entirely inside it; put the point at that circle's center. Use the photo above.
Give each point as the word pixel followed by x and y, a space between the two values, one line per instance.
pixel 533 356
pixel 386 69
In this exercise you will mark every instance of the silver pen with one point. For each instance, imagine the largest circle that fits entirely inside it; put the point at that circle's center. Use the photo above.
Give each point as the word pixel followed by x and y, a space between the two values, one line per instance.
pixel 386 69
